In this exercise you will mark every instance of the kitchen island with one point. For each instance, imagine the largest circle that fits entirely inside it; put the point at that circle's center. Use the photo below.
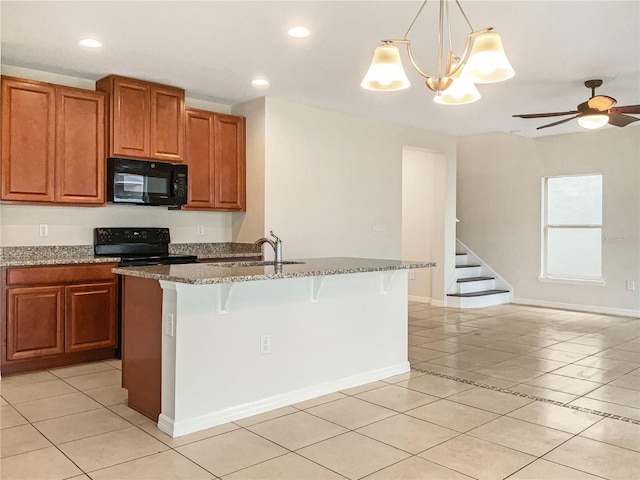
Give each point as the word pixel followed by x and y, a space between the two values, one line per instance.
pixel 227 341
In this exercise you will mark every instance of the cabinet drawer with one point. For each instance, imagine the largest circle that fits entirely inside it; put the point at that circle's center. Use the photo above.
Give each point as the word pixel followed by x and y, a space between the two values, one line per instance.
pixel 44 275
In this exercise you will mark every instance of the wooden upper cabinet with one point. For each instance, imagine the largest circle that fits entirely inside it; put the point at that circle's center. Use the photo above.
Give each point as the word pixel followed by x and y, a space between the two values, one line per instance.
pixel 28 140
pixel 52 143
pixel 199 158
pixel 229 162
pixel 129 121
pixel 146 120
pixel 80 161
pixel 215 153
pixel 167 123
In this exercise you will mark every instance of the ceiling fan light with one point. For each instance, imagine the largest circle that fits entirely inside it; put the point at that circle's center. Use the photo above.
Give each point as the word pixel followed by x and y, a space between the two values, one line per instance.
pixel 459 92
pixel 487 62
pixel 593 121
pixel 385 72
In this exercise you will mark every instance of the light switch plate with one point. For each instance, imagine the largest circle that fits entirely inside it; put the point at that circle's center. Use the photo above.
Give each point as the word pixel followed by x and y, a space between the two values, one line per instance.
pixel 379 229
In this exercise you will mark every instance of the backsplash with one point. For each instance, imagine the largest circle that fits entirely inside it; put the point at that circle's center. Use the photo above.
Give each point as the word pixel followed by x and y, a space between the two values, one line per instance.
pixel 74 225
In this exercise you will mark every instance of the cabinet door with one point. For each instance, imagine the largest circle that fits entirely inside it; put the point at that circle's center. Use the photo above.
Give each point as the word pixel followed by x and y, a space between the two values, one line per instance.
pixel 28 145
pixel 199 158
pixel 229 162
pixel 35 322
pixel 80 165
pixel 129 125
pixel 90 316
pixel 167 123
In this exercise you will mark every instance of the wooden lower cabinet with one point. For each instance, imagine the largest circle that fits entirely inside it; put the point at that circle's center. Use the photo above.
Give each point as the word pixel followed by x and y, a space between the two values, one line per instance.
pixel 142 344
pixel 35 322
pixel 90 316
pixel 142 341
pixel 57 315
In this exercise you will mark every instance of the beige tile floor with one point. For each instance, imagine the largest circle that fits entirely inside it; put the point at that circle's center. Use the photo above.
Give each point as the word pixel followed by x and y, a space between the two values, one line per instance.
pixel 513 392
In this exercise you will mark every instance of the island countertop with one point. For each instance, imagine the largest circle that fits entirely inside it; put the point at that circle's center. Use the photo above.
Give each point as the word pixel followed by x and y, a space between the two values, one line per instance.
pixel 232 272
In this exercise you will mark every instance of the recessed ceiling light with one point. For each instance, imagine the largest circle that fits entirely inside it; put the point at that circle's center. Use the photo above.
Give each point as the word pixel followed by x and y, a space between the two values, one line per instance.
pixel 299 32
pixel 259 82
pixel 90 42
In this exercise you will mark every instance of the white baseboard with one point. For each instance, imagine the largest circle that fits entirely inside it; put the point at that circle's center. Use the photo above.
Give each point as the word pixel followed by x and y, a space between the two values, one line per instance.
pixel 190 425
pixel 624 312
pixel 415 298
pixel 438 303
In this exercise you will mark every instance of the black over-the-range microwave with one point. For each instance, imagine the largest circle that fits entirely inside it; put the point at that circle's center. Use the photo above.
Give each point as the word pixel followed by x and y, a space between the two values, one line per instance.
pixel 140 182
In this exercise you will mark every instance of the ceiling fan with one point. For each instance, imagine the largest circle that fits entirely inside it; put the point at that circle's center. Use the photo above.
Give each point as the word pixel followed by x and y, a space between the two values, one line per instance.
pixel 594 113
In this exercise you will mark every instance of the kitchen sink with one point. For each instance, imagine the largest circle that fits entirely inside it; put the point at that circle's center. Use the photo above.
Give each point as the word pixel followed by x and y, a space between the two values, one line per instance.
pixel 252 264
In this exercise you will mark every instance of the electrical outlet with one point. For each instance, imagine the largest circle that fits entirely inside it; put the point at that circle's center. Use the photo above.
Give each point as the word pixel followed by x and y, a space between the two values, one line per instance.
pixel 44 230
pixel 412 275
pixel 200 230
pixel 631 285
pixel 169 324
pixel 265 344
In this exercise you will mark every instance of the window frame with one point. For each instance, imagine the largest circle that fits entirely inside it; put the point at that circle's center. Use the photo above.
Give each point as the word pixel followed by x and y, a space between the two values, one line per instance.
pixel 544 276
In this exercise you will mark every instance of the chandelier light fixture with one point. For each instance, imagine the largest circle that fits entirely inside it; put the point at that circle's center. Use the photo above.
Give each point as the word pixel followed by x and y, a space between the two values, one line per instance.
pixel 483 61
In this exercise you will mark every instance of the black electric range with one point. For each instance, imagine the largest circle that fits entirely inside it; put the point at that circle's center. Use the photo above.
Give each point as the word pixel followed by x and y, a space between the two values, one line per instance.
pixel 137 246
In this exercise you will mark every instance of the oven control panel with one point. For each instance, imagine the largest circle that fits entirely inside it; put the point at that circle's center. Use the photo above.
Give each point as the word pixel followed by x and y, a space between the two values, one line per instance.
pixel 118 235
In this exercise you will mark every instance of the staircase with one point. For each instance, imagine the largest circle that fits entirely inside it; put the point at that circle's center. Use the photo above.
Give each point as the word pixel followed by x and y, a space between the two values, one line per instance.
pixel 475 285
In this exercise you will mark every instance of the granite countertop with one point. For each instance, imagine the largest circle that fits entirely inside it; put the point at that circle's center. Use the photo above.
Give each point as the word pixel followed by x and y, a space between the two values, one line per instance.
pixel 50 255
pixel 79 254
pixel 212 273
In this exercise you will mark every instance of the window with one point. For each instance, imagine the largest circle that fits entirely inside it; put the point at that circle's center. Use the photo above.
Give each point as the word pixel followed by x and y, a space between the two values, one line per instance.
pixel 572 228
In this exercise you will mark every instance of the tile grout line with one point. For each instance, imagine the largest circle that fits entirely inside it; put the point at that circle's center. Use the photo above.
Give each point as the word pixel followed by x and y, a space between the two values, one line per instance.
pixel 527 395
pixel 541 457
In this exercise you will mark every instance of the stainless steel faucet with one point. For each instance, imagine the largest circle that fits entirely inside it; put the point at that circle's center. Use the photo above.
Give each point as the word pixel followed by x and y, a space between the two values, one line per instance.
pixel 276 245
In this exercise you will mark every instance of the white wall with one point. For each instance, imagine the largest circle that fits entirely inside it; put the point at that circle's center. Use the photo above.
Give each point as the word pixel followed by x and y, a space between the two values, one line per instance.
pixel 330 177
pixel 422 216
pixel 249 226
pixel 19 223
pixel 499 207
pixel 74 225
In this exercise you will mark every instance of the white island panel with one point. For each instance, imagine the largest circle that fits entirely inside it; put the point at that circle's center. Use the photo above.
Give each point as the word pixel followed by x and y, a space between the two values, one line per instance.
pixel 327 333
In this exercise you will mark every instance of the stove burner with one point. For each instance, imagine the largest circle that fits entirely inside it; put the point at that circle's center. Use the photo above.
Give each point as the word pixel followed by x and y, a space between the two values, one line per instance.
pixel 157 260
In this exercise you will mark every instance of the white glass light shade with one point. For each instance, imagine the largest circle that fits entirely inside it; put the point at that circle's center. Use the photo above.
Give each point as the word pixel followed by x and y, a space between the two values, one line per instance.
pixel 385 71
pixel 594 121
pixel 487 62
pixel 90 42
pixel 299 32
pixel 459 92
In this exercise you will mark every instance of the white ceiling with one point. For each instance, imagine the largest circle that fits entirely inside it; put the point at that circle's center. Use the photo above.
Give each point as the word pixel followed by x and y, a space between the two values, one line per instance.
pixel 213 49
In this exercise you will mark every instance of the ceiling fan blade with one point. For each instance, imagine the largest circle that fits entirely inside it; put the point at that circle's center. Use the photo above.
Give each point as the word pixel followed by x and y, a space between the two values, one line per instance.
pixel 626 109
pixel 543 115
pixel 601 103
pixel 557 123
pixel 620 120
